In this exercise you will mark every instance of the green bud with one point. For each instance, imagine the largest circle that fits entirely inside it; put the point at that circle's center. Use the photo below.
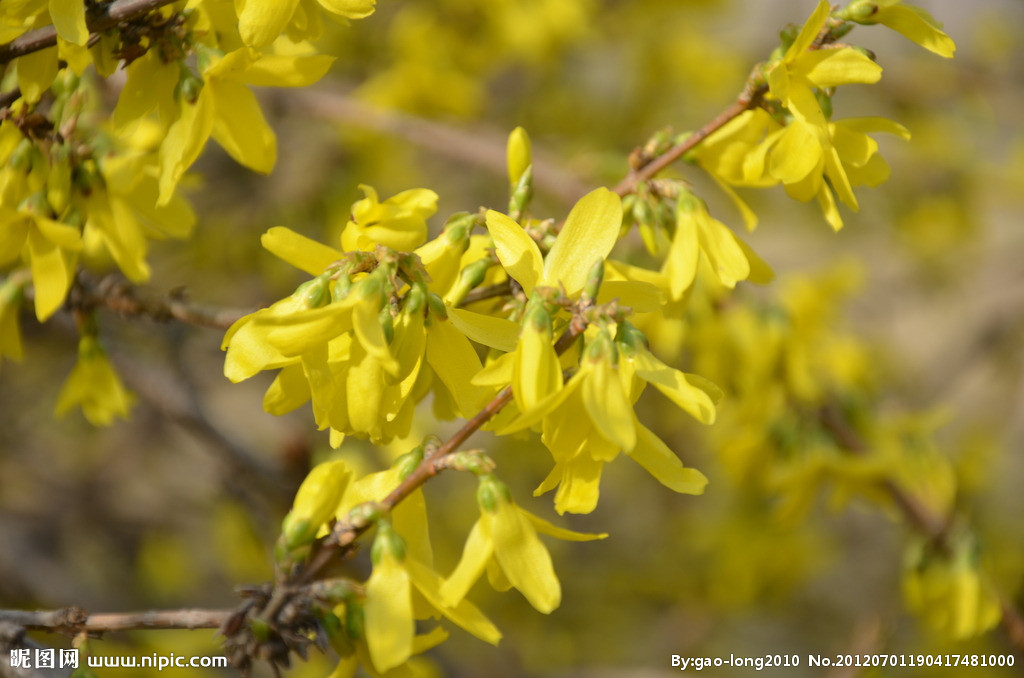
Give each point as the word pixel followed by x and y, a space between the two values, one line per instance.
pixel 414 299
pixel 387 541
pixel 436 304
pixel 594 278
pixel 469 277
pixel 315 292
pixel 860 11
pixel 787 36
pixel 630 339
pixel 601 348
pixel 490 491
pixel 367 513
pixel 189 85
pixel 260 629
pixel 355 623
pixel 408 462
pixel 518 155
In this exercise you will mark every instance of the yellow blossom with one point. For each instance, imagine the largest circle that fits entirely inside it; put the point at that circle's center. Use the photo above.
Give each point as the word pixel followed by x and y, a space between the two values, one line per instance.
pixel 226 108
pixel 912 22
pixel 400 222
pixel 587 236
pixel 260 22
pixel 793 78
pixel 94 386
pixel 505 538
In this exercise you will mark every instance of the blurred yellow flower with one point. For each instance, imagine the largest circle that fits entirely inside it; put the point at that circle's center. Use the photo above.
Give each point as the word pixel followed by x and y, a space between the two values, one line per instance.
pixel 260 22
pixel 912 22
pixel 94 386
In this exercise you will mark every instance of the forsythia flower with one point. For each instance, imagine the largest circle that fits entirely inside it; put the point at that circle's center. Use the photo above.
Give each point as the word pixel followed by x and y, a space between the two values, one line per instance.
pixel 94 386
pixel 400 222
pixel 52 249
pixel 403 586
pixel 260 22
pixel 950 592
pixel 588 235
pixel 226 108
pixel 504 542
pixel 590 420
pixel 699 236
pixel 912 22
pixel 793 78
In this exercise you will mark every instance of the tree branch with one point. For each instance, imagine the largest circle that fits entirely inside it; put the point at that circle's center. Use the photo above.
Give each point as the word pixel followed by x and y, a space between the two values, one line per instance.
pixel 121 297
pixel 72 620
pixel 107 16
pixel 749 98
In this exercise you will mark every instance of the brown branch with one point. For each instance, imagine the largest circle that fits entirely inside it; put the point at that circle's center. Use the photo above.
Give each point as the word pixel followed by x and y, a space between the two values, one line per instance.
pixel 106 17
pixel 72 620
pixel 749 98
pixel 119 296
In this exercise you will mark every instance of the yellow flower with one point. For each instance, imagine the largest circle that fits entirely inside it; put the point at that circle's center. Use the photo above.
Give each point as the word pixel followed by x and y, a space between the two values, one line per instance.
pixel 94 386
pixel 260 22
pixel 403 586
pixel 52 249
pixel 504 542
pixel 587 236
pixel 912 22
pixel 699 237
pixel 536 372
pixel 793 78
pixel 400 222
pixel 803 155
pixel 590 420
pixel 226 108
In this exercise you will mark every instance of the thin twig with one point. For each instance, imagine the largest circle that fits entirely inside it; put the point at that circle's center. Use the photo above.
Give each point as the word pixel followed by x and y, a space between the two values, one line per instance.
pixel 106 17
pixel 72 620
pixel 749 98
pixel 123 298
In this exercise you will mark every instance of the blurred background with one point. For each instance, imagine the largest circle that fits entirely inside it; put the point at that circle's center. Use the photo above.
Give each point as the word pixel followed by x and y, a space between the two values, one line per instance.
pixel 180 504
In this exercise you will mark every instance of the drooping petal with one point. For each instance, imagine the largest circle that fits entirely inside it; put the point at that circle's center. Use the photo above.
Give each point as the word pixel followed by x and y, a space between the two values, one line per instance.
pixel 388 613
pixel 478 550
pixel 523 558
pixel 68 18
pixel 655 456
pixel 607 405
pixel 261 21
pixel 518 253
pixel 239 126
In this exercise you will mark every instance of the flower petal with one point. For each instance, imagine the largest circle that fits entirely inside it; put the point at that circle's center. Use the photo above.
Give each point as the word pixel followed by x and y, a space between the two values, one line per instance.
pixel 588 235
pixel 517 252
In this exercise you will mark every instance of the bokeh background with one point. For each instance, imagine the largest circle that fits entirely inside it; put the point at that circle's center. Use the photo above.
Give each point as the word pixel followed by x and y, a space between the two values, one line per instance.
pixel 180 504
